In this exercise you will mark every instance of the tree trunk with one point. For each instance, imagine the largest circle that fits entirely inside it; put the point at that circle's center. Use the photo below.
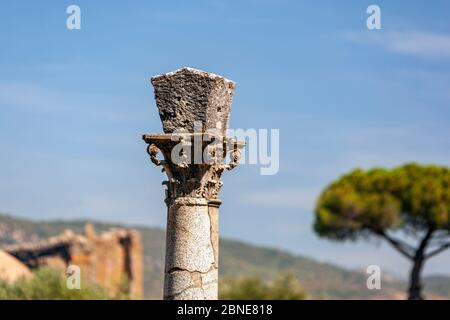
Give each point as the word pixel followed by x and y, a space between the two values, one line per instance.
pixel 415 289
pixel 418 258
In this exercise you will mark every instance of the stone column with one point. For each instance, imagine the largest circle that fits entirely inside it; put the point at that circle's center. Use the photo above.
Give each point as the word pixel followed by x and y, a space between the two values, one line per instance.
pixel 194 108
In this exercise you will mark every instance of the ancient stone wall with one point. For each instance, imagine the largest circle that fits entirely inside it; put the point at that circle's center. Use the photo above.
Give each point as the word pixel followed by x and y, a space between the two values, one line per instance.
pixel 113 259
pixel 11 269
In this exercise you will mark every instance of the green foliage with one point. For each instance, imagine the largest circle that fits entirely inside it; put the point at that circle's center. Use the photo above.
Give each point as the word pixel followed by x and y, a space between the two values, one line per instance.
pixel 284 287
pixel 48 284
pixel 363 202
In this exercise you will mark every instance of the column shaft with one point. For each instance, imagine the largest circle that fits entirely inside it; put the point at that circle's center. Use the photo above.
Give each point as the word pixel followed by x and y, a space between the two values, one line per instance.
pixel 191 270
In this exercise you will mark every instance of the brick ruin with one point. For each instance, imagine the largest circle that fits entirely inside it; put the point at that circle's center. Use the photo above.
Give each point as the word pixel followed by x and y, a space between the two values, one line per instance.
pixel 113 259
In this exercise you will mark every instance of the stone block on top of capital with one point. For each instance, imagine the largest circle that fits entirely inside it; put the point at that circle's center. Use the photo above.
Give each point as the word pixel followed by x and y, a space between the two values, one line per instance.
pixel 194 107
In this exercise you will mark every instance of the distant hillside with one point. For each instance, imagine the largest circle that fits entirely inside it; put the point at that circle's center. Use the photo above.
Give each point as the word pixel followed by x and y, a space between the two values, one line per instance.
pixel 237 259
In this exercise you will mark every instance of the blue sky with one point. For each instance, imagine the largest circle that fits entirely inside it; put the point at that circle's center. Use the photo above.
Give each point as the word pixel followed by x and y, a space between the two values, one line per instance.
pixel 74 104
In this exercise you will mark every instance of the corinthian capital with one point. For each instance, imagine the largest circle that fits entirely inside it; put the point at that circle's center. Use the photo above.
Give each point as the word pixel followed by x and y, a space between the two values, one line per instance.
pixel 194 163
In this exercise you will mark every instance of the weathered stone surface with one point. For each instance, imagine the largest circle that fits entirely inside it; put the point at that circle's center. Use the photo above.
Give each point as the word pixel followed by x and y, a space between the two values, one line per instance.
pixel 180 285
pixel 12 269
pixel 191 250
pixel 191 294
pixel 110 259
pixel 214 231
pixel 210 284
pixel 136 256
pixel 188 236
pixel 193 179
pixel 186 98
pixel 188 95
pixel 176 282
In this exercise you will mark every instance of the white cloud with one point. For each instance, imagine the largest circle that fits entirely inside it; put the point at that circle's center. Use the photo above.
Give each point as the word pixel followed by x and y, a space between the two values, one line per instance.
pixel 416 43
